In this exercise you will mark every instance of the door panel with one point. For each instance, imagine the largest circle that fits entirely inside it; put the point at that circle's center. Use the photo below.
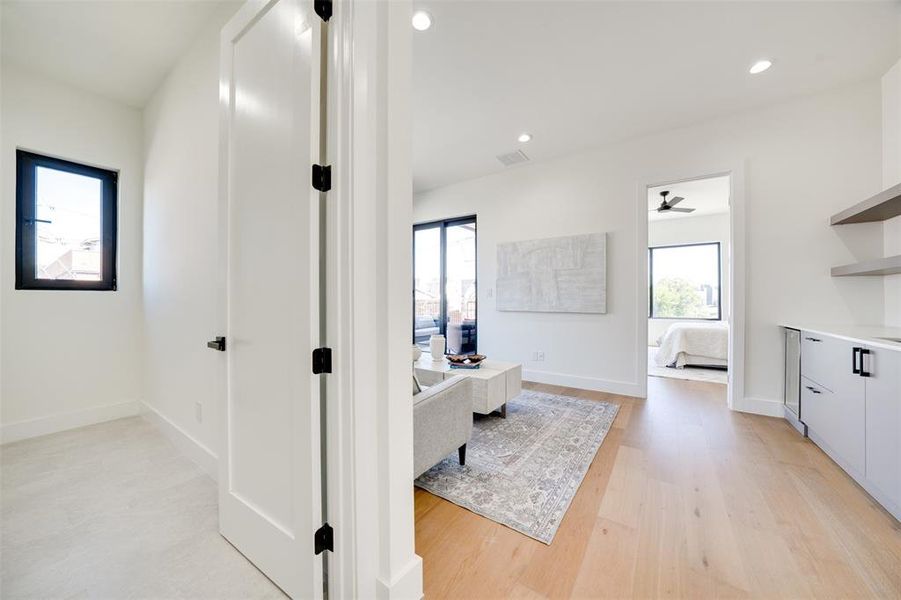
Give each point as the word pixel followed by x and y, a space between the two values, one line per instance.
pixel 884 422
pixel 269 475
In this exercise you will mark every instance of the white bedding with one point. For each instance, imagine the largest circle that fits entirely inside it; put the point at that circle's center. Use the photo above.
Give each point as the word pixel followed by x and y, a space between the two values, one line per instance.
pixel 694 343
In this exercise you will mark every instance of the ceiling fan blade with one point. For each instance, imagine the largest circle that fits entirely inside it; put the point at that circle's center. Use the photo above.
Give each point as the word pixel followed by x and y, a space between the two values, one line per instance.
pixel 675 201
pixel 682 210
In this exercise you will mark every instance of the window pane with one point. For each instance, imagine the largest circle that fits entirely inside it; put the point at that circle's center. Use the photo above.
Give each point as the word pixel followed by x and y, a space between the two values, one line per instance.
pixel 427 284
pixel 461 288
pixel 686 282
pixel 68 214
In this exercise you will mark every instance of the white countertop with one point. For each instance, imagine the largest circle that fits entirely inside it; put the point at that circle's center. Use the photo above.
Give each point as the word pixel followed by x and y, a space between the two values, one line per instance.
pixel 866 334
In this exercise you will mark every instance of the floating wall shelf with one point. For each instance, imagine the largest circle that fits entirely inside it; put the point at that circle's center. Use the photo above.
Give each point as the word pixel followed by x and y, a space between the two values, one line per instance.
pixel 881 207
pixel 890 265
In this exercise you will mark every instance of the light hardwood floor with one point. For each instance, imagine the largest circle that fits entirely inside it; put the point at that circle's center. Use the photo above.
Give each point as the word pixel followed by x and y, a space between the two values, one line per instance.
pixel 684 499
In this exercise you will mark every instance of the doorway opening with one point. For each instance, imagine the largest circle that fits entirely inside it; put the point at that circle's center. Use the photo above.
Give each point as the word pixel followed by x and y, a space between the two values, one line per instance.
pixel 444 284
pixel 689 247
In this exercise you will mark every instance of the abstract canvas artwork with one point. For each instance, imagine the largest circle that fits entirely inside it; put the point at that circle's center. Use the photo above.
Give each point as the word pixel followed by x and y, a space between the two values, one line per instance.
pixel 564 274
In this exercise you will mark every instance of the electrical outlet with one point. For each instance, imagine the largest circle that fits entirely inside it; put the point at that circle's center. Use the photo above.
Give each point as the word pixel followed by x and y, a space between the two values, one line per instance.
pixel 198 412
pixel 538 356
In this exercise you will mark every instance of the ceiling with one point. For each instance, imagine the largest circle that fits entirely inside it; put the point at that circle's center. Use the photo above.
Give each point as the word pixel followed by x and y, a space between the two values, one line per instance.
pixel 581 74
pixel 120 49
pixel 707 196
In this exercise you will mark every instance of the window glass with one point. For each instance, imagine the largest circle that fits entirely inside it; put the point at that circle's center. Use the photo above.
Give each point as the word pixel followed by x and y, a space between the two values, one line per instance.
pixel 68 213
pixel 426 285
pixel 685 281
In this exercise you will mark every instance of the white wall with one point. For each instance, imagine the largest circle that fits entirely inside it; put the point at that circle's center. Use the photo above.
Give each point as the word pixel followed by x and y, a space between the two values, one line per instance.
pixel 691 230
pixel 803 161
pixel 891 175
pixel 181 252
pixel 69 358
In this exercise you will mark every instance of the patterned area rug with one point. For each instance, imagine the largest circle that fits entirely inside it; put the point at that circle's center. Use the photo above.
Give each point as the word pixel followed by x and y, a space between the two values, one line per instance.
pixel 523 471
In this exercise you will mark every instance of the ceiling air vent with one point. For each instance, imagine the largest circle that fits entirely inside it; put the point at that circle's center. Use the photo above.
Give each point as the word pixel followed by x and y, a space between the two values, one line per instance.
pixel 512 158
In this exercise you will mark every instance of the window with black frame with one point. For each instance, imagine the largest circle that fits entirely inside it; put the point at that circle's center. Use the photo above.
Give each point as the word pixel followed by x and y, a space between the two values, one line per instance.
pixel 65 224
pixel 444 284
pixel 685 281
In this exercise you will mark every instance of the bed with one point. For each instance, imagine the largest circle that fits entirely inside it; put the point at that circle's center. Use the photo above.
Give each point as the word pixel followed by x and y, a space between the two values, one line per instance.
pixel 694 344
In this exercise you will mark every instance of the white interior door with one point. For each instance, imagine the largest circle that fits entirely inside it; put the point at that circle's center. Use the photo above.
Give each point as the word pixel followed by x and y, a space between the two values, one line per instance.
pixel 269 477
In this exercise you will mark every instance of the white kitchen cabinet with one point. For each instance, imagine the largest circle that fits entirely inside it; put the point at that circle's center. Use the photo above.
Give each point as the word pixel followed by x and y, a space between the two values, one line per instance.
pixel 824 359
pixel 837 423
pixel 851 404
pixel 883 426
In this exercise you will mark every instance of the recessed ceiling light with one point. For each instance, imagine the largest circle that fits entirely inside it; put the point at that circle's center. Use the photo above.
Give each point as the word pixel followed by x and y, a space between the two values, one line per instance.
pixel 524 137
pixel 421 20
pixel 760 66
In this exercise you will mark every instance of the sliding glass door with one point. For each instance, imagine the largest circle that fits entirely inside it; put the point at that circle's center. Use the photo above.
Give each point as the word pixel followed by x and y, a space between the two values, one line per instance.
pixel 444 284
pixel 427 277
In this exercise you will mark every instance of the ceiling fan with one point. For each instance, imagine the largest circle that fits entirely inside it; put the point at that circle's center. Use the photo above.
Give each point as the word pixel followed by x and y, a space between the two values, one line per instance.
pixel 668 206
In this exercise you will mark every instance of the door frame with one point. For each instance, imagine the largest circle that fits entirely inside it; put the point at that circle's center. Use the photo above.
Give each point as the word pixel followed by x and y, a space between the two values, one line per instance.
pixel 443 224
pixel 369 444
pixel 735 394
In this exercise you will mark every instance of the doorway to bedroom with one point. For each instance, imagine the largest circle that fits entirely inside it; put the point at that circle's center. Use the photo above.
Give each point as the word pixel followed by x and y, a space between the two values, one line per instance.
pixel 689 291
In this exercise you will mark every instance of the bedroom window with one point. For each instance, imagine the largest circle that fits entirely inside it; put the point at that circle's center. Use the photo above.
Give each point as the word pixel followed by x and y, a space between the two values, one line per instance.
pixel 685 281
pixel 65 225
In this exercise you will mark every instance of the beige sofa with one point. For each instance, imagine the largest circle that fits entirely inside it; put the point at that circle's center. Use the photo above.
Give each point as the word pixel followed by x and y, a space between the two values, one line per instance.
pixel 442 422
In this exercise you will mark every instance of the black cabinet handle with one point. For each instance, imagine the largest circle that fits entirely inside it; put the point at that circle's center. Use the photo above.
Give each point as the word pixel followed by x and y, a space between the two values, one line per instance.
pixel 812 339
pixel 863 371
pixel 855 352
pixel 217 344
pixel 812 389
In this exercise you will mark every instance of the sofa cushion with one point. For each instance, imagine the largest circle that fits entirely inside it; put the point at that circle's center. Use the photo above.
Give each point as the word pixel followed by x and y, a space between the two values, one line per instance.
pixel 442 421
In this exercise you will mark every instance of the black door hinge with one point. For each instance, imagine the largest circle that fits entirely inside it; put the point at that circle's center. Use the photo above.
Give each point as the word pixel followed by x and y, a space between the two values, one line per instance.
pixel 323 8
pixel 322 360
pixel 322 177
pixel 324 539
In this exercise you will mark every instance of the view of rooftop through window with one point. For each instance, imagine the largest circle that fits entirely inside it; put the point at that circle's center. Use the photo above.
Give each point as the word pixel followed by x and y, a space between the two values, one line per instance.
pixel 68 222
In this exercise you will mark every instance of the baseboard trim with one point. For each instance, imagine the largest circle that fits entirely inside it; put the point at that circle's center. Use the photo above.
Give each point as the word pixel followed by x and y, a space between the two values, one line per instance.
pixel 203 456
pixel 794 421
pixel 623 388
pixel 760 406
pixel 406 585
pixel 23 430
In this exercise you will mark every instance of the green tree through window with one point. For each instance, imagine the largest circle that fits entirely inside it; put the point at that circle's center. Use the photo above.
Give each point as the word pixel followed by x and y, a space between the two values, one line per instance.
pixel 676 297
pixel 685 281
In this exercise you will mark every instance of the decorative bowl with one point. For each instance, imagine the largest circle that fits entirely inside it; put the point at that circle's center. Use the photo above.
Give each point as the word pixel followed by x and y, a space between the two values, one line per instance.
pixel 465 359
